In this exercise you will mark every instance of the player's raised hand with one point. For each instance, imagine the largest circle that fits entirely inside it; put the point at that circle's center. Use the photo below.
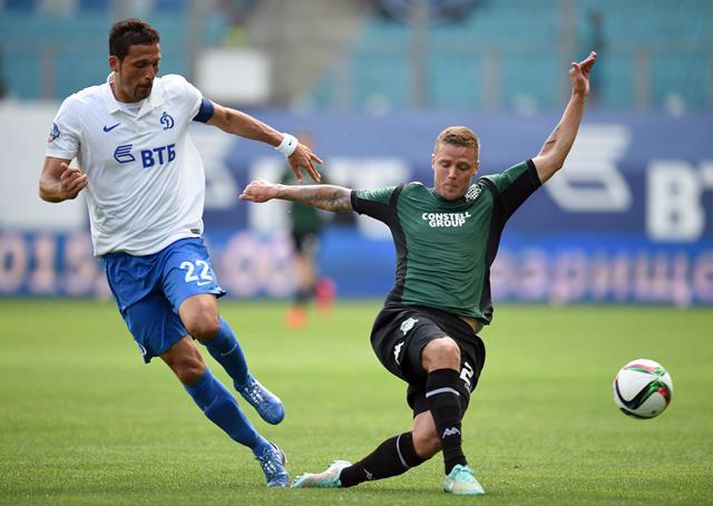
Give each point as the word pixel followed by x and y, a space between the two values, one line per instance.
pixel 71 181
pixel 579 74
pixel 304 159
pixel 259 191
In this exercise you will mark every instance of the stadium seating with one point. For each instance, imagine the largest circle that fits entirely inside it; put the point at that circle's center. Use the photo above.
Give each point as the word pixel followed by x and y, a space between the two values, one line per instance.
pixel 499 55
pixel 502 55
pixel 51 57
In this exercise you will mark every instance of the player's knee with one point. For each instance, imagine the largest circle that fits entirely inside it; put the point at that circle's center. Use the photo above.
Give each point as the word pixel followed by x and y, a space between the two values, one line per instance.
pixel 185 361
pixel 203 326
pixel 441 353
pixel 189 371
pixel 426 443
pixel 200 316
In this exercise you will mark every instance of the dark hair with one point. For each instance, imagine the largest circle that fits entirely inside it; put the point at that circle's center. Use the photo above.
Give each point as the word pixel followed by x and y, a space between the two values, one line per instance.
pixel 130 32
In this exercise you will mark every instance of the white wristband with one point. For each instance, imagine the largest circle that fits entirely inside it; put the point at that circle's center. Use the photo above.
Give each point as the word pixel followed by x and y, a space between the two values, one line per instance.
pixel 288 144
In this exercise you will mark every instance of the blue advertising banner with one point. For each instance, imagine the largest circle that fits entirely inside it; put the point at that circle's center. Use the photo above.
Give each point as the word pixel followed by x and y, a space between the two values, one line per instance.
pixel 629 219
pixel 556 269
pixel 651 174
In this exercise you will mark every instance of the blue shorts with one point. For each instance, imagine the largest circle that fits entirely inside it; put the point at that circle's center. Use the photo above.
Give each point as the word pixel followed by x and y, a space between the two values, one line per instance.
pixel 149 290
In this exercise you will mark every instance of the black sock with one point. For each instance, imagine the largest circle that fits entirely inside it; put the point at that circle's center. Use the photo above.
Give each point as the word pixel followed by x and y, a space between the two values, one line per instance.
pixel 444 403
pixel 393 457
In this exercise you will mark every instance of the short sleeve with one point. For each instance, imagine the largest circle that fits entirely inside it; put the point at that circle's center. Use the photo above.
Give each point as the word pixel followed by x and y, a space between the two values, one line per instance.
pixel 514 185
pixel 188 94
pixel 375 203
pixel 197 98
pixel 380 195
pixel 64 135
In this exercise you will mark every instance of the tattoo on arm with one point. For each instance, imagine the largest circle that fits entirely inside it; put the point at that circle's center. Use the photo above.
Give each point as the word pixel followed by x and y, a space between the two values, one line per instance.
pixel 327 197
pixel 550 142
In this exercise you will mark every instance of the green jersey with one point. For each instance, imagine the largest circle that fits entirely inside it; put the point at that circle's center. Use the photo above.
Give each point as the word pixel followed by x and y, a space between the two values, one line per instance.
pixel 445 248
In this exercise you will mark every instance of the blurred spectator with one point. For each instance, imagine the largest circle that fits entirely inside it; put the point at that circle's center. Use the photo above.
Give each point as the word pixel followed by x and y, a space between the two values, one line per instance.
pixel 237 13
pixel 306 224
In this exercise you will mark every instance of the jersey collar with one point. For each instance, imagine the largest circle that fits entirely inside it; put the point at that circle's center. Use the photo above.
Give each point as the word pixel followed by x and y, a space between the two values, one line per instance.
pixel 450 203
pixel 153 101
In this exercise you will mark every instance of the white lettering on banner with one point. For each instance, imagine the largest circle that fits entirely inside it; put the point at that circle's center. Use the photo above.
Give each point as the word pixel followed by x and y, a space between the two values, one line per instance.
pixel 590 180
pixel 251 266
pixel 14 260
pixel 703 277
pixel 574 275
pixel 569 277
pixel 272 216
pixel 82 273
pixel 348 172
pixel 31 265
pixel 43 279
pixel 674 210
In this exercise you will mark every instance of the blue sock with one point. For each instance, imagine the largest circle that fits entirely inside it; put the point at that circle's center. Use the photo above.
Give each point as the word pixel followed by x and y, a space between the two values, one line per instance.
pixel 219 405
pixel 224 348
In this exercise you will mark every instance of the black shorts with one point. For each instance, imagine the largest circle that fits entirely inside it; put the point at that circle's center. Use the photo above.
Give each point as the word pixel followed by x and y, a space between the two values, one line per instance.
pixel 401 332
pixel 305 243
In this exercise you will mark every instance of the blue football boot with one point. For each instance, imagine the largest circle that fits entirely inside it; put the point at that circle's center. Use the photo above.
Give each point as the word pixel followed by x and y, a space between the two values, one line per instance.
pixel 273 463
pixel 267 404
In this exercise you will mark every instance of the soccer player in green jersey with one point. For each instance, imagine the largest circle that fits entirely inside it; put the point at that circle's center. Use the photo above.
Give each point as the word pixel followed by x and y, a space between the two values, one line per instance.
pixel 446 239
pixel 306 223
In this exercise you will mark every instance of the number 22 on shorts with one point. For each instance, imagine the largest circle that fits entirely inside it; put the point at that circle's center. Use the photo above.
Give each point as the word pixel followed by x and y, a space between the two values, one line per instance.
pixel 198 271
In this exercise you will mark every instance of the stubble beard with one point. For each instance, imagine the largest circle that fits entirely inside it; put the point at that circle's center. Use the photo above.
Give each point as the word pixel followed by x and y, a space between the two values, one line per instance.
pixel 142 92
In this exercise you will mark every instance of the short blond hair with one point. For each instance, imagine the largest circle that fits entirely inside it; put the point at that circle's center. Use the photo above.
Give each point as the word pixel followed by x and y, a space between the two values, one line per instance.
pixel 460 136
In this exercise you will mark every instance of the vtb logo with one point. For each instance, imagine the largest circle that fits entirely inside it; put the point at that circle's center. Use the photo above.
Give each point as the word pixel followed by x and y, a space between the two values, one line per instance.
pixel 149 157
pixel 122 154
pixel 160 155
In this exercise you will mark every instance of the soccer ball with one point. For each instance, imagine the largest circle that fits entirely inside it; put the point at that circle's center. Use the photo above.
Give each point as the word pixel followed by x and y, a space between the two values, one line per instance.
pixel 642 388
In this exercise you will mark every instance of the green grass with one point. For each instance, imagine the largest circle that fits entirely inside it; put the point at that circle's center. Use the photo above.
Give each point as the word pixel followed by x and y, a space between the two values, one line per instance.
pixel 83 421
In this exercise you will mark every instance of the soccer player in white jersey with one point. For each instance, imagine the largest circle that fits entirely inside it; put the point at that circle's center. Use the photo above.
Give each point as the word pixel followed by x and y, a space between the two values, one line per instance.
pixel 144 184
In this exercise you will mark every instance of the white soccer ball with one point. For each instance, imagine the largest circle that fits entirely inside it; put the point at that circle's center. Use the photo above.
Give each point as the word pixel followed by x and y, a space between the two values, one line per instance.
pixel 643 388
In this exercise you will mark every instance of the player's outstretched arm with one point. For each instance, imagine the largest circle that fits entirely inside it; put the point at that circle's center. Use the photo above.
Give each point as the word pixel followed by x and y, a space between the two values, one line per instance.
pixel 325 196
pixel 59 181
pixel 238 123
pixel 557 146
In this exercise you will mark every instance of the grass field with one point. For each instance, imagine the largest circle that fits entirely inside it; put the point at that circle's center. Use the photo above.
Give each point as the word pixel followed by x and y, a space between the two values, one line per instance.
pixel 83 421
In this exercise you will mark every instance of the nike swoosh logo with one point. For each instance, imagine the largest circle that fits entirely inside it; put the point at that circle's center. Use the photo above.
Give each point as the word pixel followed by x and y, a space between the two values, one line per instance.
pixel 201 283
pixel 229 352
pixel 110 128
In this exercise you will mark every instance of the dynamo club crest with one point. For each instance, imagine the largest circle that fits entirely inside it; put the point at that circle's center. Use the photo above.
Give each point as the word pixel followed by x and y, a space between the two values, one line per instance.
pixel 166 121
pixel 54 133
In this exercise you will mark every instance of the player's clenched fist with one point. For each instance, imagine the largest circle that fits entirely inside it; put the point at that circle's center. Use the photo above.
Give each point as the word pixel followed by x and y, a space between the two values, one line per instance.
pixel 71 181
pixel 259 191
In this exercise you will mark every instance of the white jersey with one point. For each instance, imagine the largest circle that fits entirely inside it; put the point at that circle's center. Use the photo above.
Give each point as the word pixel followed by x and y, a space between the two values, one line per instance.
pixel 146 179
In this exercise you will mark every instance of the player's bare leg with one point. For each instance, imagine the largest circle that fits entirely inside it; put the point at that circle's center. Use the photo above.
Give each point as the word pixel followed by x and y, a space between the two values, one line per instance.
pixel 200 316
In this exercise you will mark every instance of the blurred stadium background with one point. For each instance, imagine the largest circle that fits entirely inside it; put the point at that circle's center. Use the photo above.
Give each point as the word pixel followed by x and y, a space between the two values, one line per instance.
pixel 629 220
